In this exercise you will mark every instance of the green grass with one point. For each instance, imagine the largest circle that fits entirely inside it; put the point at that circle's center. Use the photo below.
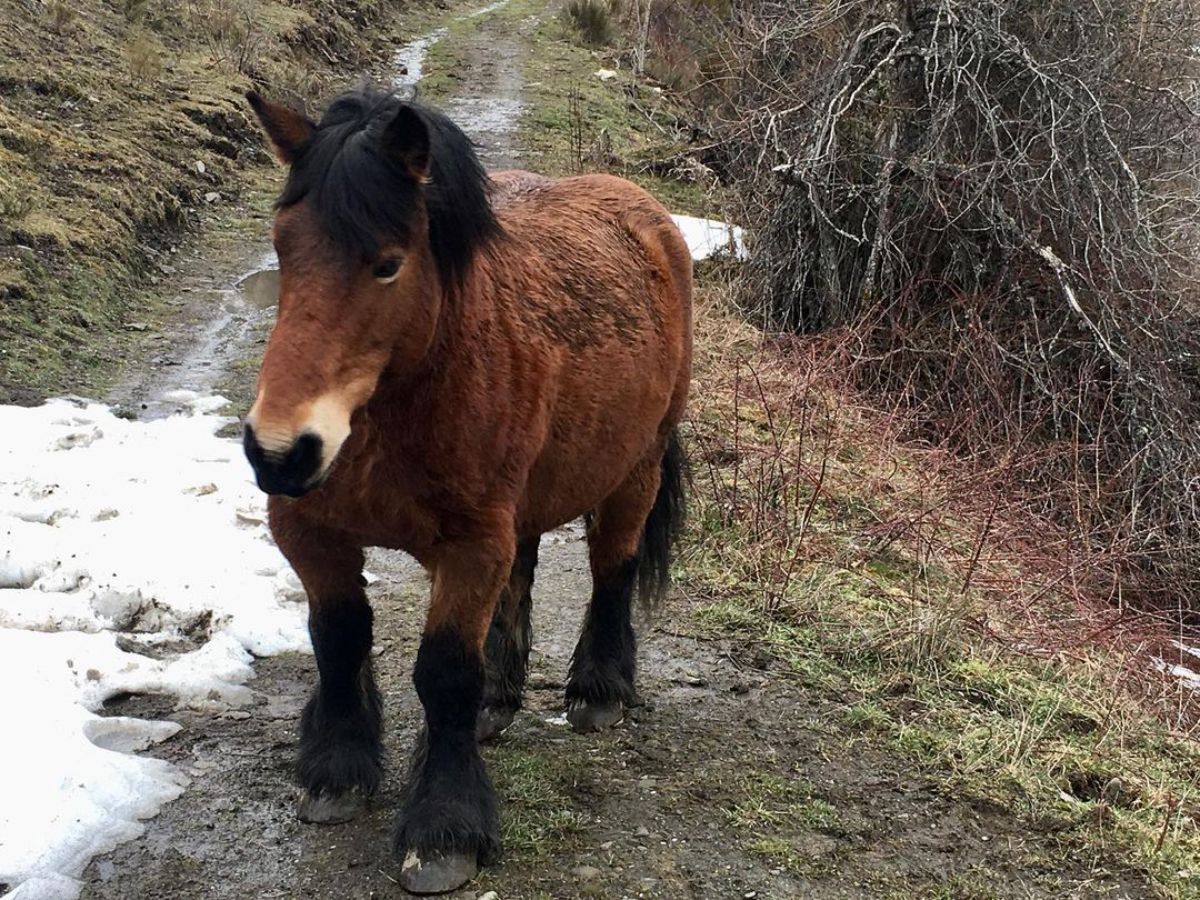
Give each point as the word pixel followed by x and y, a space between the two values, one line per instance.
pixel 541 814
pixel 772 813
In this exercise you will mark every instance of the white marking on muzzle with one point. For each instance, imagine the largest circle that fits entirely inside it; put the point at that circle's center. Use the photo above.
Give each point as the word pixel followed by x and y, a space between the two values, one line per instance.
pixel 327 417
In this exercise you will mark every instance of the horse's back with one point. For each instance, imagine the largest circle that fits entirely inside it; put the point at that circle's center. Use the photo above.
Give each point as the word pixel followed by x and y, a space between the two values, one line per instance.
pixel 601 280
pixel 602 238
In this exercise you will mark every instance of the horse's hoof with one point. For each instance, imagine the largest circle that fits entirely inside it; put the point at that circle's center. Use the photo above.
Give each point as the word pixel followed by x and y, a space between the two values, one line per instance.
pixel 330 809
pixel 585 717
pixel 492 721
pixel 436 873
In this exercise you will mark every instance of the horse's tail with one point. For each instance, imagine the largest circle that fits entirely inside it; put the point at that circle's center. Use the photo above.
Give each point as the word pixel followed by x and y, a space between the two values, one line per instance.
pixel 663 526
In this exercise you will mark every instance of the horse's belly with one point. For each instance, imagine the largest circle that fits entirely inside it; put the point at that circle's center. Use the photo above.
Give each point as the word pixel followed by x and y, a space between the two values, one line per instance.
pixel 590 450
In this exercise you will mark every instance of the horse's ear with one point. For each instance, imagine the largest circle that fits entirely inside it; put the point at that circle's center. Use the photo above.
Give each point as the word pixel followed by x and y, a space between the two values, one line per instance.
pixel 287 129
pixel 407 139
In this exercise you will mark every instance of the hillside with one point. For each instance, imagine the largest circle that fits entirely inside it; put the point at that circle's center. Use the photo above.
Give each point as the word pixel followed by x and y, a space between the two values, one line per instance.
pixel 123 129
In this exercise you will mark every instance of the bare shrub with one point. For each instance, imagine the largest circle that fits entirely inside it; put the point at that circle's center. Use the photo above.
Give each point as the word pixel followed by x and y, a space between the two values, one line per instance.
pixel 231 29
pixel 143 55
pixel 593 19
pixel 62 15
pixel 999 199
pixel 134 10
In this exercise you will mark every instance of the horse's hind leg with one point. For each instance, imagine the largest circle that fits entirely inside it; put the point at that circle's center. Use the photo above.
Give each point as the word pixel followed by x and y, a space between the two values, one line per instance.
pixel 600 685
pixel 508 643
pixel 340 762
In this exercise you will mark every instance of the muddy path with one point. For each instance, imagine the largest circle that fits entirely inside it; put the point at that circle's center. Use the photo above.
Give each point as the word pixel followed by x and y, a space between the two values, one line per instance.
pixel 731 781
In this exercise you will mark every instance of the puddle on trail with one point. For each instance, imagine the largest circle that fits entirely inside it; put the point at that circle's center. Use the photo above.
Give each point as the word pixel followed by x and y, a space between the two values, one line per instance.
pixel 409 61
pixel 490 121
pixel 260 288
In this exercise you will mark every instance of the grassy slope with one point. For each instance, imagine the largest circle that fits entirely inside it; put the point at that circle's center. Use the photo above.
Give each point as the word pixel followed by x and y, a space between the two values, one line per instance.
pixel 861 564
pixel 122 127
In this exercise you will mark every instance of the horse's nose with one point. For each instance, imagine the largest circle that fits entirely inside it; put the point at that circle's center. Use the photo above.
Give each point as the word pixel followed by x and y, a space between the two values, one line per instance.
pixel 292 471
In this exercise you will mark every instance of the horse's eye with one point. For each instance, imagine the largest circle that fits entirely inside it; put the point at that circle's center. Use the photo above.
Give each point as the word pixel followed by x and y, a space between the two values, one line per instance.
pixel 387 270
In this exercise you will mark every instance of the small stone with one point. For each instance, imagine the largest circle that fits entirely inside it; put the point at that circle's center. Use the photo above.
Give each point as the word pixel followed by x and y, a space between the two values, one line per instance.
pixel 212 197
pixel 490 895
pixel 606 74
pixel 200 167
pixel 136 326
pixel 642 831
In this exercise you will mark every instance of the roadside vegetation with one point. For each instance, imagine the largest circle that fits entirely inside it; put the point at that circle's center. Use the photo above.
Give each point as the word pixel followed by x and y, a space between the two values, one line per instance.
pixel 942 600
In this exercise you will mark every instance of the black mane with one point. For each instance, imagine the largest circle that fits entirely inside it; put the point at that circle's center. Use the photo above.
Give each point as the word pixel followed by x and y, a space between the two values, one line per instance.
pixel 364 197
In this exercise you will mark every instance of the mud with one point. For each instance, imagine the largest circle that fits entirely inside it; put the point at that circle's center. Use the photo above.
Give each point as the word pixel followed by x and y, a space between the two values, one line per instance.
pixel 650 809
pixel 731 781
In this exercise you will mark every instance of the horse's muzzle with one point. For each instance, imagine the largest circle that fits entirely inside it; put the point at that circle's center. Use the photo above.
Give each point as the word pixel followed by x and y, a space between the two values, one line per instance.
pixel 293 472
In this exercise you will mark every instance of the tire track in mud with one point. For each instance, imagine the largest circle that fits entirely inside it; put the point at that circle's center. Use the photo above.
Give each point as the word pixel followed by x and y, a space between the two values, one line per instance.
pixel 704 792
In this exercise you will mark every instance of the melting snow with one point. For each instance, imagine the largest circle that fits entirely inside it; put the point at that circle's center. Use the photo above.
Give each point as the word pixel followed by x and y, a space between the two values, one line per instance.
pixel 707 238
pixel 1189 677
pixel 153 530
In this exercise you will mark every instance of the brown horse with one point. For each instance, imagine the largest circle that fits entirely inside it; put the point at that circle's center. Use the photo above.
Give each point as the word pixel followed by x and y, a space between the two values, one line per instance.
pixel 460 364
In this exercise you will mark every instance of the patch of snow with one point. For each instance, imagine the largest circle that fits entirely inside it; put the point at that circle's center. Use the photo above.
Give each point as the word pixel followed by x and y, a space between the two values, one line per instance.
pixel 151 530
pixel 1191 651
pixel 1189 677
pixel 707 238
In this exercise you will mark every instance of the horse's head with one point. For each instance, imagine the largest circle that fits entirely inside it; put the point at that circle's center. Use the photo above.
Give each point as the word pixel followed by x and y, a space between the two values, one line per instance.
pixel 384 206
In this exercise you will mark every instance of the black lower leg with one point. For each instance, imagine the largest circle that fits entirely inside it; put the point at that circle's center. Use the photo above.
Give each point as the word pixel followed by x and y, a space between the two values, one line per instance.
pixel 509 640
pixel 603 665
pixel 340 748
pixel 450 807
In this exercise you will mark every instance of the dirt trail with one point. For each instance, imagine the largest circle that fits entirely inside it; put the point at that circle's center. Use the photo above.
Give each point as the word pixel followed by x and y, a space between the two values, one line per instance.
pixel 730 782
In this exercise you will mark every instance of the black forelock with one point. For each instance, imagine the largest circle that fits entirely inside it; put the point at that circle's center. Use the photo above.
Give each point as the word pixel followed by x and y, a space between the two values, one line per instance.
pixel 364 197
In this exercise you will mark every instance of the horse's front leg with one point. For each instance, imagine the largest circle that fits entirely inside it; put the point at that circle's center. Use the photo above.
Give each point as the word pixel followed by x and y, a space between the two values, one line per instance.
pixel 340 761
pixel 448 825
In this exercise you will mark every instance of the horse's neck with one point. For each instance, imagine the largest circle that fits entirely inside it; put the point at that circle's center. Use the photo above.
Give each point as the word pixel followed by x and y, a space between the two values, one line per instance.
pixel 417 393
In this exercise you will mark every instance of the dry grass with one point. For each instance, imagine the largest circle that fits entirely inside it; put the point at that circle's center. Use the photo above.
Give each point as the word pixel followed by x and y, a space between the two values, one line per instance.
pixel 61 15
pixel 593 19
pixel 973 633
pixel 144 57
